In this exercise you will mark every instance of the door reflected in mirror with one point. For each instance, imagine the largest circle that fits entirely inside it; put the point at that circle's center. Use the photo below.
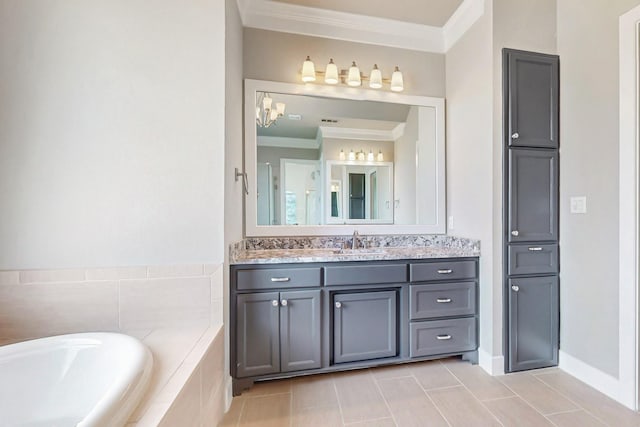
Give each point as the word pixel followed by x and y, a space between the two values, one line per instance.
pixel 367 195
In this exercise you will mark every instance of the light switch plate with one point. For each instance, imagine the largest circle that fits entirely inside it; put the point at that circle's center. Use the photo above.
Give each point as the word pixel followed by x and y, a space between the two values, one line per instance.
pixel 579 205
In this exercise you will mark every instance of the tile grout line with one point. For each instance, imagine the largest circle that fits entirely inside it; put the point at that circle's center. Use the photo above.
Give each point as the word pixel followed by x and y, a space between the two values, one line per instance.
pixel 527 402
pixel 375 381
pixel 431 400
pixel 335 390
pixel 471 393
pixel 571 400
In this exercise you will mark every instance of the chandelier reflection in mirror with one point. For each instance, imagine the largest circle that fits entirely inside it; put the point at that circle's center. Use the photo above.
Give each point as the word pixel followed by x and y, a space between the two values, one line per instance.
pixel 266 114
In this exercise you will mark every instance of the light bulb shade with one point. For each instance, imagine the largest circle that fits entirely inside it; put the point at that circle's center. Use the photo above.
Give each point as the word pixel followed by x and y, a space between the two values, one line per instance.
pixel 266 102
pixel 280 108
pixel 353 78
pixel 257 112
pixel 273 115
pixel 361 156
pixel 380 156
pixel 341 156
pixel 308 71
pixel 331 73
pixel 370 156
pixel 375 80
pixel 397 83
pixel 352 155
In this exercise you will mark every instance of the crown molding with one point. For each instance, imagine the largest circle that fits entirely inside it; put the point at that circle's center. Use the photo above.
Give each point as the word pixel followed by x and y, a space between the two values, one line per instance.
pixel 354 133
pixel 283 142
pixel 462 19
pixel 290 18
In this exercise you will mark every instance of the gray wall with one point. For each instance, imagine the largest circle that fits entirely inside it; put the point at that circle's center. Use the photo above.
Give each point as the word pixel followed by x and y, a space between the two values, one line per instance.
pixel 276 56
pixel 589 131
pixel 233 151
pixel 110 133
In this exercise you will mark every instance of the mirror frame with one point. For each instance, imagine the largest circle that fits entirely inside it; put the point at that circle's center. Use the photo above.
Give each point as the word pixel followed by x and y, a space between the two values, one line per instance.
pixel 251 87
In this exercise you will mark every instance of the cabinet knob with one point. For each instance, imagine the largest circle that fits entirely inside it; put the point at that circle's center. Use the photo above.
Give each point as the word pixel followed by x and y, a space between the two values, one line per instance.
pixel 515 135
pixel 515 288
pixel 284 302
pixel 338 304
pixel 274 303
pixel 515 233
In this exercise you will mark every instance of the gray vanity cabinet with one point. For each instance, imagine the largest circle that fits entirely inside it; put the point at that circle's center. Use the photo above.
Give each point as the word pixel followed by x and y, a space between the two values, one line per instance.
pixel 364 325
pixel 533 195
pixel 277 332
pixel 533 322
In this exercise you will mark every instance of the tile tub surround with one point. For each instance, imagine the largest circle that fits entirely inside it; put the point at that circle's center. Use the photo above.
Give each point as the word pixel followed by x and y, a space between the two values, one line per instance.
pixel 175 310
pixel 256 250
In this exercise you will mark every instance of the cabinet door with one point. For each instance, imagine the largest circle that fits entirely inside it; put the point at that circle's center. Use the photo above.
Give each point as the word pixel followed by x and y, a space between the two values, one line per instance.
pixel 365 326
pixel 300 330
pixel 532 99
pixel 533 195
pixel 258 334
pixel 533 323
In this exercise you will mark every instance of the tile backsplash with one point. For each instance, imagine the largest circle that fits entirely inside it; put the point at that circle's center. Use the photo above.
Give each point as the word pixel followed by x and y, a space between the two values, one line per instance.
pixel 37 303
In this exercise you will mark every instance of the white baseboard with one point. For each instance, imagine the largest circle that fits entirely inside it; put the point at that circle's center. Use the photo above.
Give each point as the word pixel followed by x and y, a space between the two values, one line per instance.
pixel 593 377
pixel 228 395
pixel 494 365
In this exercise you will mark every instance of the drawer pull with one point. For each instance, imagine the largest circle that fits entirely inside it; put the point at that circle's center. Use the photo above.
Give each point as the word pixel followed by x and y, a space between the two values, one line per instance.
pixel 274 303
pixel 443 337
pixel 443 300
pixel 280 279
pixel 535 249
pixel 338 304
pixel 447 271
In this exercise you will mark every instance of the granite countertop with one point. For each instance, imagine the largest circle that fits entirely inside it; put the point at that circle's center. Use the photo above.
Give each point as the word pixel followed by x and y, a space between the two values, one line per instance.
pixel 277 250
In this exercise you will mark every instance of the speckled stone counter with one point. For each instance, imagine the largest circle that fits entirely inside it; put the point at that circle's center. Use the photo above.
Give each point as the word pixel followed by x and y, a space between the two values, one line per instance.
pixel 276 250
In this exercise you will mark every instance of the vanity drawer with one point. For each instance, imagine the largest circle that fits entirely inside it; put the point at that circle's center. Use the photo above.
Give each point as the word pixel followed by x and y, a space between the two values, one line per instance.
pixel 446 270
pixel 442 300
pixel 365 274
pixel 442 336
pixel 279 278
pixel 533 259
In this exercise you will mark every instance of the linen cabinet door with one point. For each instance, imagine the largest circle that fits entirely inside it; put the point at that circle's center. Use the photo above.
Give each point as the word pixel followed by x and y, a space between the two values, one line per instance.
pixel 364 326
pixel 258 334
pixel 533 323
pixel 533 195
pixel 300 330
pixel 532 93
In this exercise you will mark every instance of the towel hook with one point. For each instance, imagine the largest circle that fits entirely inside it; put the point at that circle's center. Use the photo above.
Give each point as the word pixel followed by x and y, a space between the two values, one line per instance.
pixel 245 180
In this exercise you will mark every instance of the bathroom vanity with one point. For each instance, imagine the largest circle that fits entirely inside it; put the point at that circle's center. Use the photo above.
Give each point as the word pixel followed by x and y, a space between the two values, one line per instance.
pixel 309 310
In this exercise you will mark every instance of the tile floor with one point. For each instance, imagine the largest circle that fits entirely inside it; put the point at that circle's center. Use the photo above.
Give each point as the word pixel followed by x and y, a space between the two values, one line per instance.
pixel 438 393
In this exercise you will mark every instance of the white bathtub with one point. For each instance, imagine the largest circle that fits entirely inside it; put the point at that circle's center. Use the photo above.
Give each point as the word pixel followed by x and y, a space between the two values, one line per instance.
pixel 90 379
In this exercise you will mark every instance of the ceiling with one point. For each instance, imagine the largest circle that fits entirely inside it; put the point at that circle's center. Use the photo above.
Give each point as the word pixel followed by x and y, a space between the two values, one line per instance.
pixel 349 114
pixel 425 12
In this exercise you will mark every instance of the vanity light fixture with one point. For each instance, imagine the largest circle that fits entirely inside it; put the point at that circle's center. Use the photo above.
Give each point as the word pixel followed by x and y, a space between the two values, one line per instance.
pixel 331 73
pixel 370 156
pixel 352 77
pixel 342 156
pixel 308 71
pixel 352 155
pixel 266 115
pixel 397 83
pixel 375 80
pixel 380 156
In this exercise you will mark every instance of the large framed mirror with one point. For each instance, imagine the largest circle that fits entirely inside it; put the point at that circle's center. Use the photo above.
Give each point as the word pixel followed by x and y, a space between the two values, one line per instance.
pixel 325 160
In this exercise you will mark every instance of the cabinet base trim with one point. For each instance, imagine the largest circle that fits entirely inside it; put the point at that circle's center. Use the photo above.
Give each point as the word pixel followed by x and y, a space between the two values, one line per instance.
pixel 595 378
pixel 493 365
